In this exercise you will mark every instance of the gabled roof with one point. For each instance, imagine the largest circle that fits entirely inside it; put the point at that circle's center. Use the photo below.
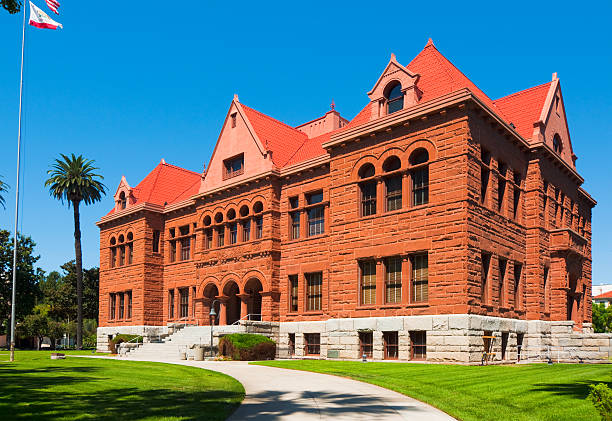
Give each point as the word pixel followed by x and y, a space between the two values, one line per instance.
pixel 524 108
pixel 276 136
pixel 604 296
pixel 165 185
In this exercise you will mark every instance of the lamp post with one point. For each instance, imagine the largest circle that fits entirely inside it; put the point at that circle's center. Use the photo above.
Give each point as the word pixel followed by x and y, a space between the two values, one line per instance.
pixel 213 316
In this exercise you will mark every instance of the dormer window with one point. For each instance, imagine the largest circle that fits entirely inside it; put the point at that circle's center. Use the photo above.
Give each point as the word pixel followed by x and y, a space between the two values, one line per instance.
pixel 122 201
pixel 395 97
pixel 233 167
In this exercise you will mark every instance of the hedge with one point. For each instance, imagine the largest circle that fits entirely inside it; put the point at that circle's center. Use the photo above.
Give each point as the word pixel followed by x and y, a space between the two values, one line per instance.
pixel 247 347
pixel 122 338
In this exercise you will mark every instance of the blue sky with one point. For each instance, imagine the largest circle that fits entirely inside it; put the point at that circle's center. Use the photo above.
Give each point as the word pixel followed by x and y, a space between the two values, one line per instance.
pixel 130 83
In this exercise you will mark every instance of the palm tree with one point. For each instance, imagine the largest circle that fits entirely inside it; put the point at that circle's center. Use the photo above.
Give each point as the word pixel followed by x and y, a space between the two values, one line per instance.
pixel 74 179
pixel 3 188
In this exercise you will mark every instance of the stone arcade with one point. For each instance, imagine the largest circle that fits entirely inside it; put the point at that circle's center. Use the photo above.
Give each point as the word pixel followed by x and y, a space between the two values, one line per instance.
pixel 435 216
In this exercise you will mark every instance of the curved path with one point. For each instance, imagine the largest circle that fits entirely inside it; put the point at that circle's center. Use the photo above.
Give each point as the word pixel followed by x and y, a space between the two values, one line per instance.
pixel 281 394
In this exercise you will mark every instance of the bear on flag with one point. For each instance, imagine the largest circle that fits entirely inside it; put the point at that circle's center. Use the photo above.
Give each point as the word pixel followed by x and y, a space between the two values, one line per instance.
pixel 40 19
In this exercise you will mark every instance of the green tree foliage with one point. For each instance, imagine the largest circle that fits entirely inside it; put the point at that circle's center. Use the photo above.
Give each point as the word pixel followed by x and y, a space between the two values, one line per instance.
pixel 74 180
pixel 12 6
pixel 59 292
pixel 601 396
pixel 602 318
pixel 3 189
pixel 27 277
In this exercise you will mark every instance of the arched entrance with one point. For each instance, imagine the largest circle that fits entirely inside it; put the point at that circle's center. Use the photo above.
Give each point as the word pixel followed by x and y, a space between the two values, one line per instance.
pixel 210 293
pixel 253 288
pixel 232 305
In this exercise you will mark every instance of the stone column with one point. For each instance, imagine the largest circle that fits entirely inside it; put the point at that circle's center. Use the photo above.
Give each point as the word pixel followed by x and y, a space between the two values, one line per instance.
pixel 406 279
pixel 406 190
pixel 380 282
pixel 244 304
pixel 380 196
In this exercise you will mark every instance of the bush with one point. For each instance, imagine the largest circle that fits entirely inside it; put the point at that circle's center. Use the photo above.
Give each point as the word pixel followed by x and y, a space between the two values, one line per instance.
pixel 601 396
pixel 247 347
pixel 90 341
pixel 122 338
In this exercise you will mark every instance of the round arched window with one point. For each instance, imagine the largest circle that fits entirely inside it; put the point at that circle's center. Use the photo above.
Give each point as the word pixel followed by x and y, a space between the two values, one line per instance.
pixel 218 217
pixel 231 214
pixel 366 171
pixel 122 200
pixel 113 241
pixel 391 164
pixel 207 220
pixel 130 236
pixel 258 207
pixel 244 210
pixel 557 144
pixel 395 97
pixel 419 156
pixel 121 239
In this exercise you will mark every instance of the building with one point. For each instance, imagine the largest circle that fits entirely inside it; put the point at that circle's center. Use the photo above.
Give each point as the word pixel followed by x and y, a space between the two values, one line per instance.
pixel 603 298
pixel 434 217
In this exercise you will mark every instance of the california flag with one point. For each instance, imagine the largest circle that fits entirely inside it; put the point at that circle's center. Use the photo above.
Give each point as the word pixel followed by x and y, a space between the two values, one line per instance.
pixel 39 19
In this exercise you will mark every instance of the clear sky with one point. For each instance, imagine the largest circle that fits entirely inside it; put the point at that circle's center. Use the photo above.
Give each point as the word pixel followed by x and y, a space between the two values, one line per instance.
pixel 129 83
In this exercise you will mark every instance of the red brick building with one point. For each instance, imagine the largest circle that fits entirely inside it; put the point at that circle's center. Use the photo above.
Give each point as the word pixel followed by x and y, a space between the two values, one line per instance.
pixel 434 216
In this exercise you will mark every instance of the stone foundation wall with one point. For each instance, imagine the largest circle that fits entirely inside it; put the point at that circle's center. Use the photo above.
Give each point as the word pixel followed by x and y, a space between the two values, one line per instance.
pixel 103 333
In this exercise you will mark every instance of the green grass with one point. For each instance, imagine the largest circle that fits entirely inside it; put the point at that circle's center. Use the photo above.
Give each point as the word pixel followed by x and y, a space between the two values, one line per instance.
pixel 36 387
pixel 519 392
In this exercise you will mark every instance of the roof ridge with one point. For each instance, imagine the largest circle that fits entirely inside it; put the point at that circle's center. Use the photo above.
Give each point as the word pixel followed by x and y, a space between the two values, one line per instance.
pixel 274 119
pixel 523 91
pixel 180 168
pixel 158 168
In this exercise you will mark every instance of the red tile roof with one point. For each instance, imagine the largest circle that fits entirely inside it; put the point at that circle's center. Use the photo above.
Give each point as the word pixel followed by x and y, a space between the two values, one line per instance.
pixel 276 136
pixel 604 295
pixel 165 185
pixel 524 108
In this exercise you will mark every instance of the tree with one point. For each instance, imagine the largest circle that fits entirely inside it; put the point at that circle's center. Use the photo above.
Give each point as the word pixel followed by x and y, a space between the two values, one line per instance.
pixel 35 324
pixel 13 6
pixel 27 276
pixel 3 189
pixel 602 318
pixel 74 180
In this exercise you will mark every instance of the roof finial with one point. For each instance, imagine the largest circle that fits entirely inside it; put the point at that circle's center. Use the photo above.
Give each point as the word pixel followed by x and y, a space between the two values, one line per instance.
pixel 392 56
pixel 236 98
pixel 429 42
pixel 163 161
pixel 555 76
pixel 333 105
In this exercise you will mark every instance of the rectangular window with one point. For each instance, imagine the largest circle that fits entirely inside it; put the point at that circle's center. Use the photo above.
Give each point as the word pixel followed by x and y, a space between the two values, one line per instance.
pixel 185 248
pixel 233 167
pixel 220 236
pixel 484 284
pixel 316 221
pixel 393 185
pixel 366 344
pixel 172 232
pixel 312 343
pixel 246 231
pixel 113 258
pixel 129 304
pixel 420 186
pixel 503 264
pixel 418 345
pixel 171 304
pixel 121 305
pixel 111 306
pixel 121 255
pixel 546 301
pixel 420 278
pixel 393 280
pixel 368 282
pixel 193 301
pixel 391 344
pixel 295 225
pixel 233 118
pixel 184 230
pixel 156 237
pixel 184 302
pixel 258 227
pixel 233 233
pixel 172 251
pixel 291 344
pixel 314 291
pixel 368 198
pixel 130 253
pixel 293 287
pixel 314 198
pixel 518 273
pixel 208 239
pixel 294 202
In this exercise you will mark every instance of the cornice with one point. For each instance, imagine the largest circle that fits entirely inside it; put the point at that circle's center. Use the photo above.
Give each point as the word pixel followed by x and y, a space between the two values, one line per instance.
pixel 129 211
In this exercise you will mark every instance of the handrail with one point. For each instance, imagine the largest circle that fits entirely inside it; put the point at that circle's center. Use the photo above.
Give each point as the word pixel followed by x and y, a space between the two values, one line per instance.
pixel 246 317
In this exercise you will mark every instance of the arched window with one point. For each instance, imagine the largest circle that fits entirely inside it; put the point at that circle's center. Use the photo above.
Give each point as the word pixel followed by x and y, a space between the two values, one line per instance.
pixel 231 214
pixel 258 207
pixel 557 144
pixel 113 241
pixel 395 97
pixel 218 217
pixel 393 184
pixel 122 200
pixel 207 220
pixel 368 190
pixel 244 210
pixel 113 252
pixel 420 177
pixel 121 239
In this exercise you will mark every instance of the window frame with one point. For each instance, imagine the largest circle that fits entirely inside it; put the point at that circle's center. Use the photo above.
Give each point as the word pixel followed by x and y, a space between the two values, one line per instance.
pixel 367 282
pixel 366 343
pixel 229 168
pixel 368 199
pixel 418 347
pixel 294 286
pixel 312 344
pixel 391 345
pixel 314 291
pixel 419 281
pixel 393 285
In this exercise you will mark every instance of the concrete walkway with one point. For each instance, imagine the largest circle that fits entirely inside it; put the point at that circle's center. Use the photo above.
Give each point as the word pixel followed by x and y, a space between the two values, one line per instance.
pixel 280 394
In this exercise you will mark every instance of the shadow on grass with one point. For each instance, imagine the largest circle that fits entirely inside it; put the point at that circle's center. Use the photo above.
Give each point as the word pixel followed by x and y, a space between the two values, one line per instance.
pixel 274 405
pixel 31 394
pixel 576 390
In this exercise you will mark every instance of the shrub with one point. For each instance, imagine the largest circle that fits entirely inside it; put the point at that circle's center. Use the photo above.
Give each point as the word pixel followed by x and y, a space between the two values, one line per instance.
pixel 247 347
pixel 90 341
pixel 601 396
pixel 122 338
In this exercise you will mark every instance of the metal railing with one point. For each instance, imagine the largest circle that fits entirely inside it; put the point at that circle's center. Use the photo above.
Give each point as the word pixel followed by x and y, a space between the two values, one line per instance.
pixel 249 317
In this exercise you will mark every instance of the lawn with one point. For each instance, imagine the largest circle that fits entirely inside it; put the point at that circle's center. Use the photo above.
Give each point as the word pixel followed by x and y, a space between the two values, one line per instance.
pixel 36 387
pixel 516 392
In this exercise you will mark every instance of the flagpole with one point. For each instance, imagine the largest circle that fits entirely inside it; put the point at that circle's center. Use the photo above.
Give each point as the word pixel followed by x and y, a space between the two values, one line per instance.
pixel 12 356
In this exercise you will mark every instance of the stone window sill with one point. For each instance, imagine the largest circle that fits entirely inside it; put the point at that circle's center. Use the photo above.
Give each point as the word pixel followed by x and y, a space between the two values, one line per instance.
pixel 393 212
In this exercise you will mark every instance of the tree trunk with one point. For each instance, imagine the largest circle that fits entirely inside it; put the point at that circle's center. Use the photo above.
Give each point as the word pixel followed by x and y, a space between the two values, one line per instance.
pixel 79 273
